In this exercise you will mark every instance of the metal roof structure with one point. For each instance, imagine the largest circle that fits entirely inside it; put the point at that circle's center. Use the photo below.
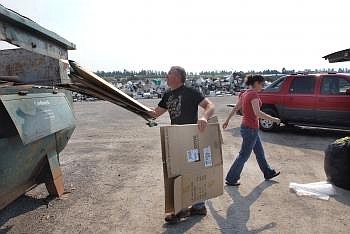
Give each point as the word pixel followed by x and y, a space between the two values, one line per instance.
pixel 339 56
pixel 25 33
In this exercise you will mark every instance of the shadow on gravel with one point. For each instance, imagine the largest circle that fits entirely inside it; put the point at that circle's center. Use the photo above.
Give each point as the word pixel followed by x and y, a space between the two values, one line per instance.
pixel 20 206
pixel 238 213
pixel 342 196
pixel 301 137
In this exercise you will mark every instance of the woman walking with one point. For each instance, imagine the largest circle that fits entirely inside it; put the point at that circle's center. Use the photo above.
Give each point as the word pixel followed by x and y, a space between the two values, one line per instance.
pixel 249 103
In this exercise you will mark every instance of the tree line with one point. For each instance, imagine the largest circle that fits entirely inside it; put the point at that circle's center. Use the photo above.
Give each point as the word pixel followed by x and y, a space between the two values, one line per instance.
pixel 161 74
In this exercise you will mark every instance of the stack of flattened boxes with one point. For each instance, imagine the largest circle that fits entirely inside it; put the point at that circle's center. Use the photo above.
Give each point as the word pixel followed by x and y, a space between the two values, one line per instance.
pixel 192 164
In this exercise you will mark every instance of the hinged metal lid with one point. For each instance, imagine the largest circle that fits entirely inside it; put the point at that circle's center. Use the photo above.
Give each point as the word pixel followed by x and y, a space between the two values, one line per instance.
pixel 38 115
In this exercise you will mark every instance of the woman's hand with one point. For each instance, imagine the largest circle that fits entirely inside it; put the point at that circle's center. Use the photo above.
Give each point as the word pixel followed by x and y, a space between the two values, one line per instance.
pixel 256 108
pixel 224 125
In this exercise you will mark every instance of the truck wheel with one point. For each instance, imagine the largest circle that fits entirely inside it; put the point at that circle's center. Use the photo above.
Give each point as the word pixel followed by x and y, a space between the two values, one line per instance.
pixel 267 125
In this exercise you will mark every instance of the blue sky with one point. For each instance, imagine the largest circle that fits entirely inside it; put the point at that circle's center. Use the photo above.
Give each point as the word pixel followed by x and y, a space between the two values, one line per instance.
pixel 198 35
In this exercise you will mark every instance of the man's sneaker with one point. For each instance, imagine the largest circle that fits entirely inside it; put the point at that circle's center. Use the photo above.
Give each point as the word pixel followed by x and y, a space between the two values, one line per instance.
pixel 172 218
pixel 198 211
pixel 175 218
pixel 233 184
pixel 272 175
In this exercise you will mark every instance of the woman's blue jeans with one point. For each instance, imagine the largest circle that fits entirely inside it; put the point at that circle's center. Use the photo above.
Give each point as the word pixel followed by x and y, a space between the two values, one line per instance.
pixel 251 142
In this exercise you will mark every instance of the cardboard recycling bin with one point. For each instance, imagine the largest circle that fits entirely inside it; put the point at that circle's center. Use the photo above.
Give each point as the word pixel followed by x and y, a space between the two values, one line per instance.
pixel 192 164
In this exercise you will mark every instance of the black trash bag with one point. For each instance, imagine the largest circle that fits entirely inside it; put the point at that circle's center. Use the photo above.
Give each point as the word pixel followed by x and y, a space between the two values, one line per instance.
pixel 337 163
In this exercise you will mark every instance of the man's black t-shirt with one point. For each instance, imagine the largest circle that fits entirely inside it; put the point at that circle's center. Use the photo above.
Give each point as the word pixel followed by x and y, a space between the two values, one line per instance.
pixel 182 104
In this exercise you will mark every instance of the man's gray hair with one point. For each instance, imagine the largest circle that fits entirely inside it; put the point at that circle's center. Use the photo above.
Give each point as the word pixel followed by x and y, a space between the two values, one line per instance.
pixel 181 72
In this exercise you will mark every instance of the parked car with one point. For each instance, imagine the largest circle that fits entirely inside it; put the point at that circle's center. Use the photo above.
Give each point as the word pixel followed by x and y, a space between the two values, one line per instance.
pixel 317 100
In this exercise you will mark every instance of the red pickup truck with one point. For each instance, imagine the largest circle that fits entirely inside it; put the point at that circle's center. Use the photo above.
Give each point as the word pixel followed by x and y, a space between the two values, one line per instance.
pixel 317 100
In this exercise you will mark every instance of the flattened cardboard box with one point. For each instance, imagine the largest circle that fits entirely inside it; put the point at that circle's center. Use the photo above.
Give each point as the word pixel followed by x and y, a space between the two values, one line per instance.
pixel 192 165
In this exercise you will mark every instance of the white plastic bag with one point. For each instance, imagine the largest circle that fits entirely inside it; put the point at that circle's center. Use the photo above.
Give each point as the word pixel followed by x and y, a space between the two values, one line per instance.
pixel 321 190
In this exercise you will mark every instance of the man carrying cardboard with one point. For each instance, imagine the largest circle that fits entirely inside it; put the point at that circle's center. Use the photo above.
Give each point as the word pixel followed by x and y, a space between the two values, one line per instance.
pixel 182 104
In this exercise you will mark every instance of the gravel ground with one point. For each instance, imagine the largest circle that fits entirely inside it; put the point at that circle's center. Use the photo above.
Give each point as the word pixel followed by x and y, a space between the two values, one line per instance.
pixel 114 183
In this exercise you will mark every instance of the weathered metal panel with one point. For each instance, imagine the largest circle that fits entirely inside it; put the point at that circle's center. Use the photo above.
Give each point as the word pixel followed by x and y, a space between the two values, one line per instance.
pixel 15 89
pixel 25 33
pixel 38 115
pixel 33 68
pixel 34 43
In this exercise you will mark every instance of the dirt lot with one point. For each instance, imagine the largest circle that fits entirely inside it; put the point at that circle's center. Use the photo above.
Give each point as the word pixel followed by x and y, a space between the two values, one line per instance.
pixel 114 183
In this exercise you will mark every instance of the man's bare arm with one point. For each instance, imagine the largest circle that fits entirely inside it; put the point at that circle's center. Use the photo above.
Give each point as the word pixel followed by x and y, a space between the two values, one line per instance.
pixel 158 111
pixel 209 109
